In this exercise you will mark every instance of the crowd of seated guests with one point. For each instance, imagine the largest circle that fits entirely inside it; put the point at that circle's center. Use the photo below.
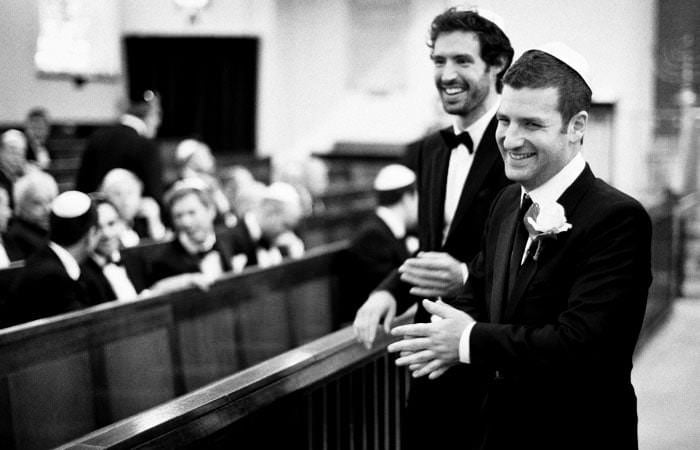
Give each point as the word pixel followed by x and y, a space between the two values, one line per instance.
pixel 204 227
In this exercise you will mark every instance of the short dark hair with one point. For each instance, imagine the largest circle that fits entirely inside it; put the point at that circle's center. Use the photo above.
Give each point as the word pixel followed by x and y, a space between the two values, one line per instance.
pixel 536 69
pixel 393 196
pixel 495 45
pixel 66 232
pixel 38 112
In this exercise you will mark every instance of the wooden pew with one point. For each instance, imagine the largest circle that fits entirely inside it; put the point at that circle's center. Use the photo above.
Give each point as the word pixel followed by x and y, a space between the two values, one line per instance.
pixel 65 376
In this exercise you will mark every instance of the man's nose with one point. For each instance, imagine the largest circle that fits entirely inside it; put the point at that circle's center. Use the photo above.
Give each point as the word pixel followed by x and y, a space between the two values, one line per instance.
pixel 448 72
pixel 511 138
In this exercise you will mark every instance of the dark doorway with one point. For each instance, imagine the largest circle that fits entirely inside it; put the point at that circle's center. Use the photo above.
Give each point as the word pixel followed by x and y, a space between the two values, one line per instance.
pixel 208 87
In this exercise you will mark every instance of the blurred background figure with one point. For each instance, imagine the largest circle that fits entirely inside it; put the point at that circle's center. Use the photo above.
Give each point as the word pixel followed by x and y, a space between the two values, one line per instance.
pixel 384 240
pixel 193 158
pixel 266 232
pixel 8 250
pixel 198 255
pixel 126 145
pixel 242 190
pixel 13 159
pixel 141 215
pixel 308 175
pixel 108 274
pixel 29 228
pixel 48 284
pixel 37 128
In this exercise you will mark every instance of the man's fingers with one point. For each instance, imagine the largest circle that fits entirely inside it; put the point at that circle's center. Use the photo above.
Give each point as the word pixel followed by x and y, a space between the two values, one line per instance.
pixel 416 358
pixel 409 345
pixel 439 308
pixel 436 373
pixel 389 318
pixel 423 292
pixel 427 281
pixel 431 366
pixel 413 329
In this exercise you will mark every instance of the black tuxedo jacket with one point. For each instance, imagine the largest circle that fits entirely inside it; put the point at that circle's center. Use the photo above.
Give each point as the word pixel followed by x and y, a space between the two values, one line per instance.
pixel 429 158
pixel 373 253
pixel 96 284
pixel 43 288
pixel 453 400
pixel 121 146
pixel 25 237
pixel 560 344
pixel 173 259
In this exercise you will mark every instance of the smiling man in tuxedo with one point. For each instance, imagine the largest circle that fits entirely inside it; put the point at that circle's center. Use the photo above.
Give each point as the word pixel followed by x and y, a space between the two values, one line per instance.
pixel 555 300
pixel 458 174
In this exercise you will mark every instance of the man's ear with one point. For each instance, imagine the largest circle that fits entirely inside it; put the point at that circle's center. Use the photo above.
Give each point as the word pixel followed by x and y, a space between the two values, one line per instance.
pixel 498 66
pixel 577 126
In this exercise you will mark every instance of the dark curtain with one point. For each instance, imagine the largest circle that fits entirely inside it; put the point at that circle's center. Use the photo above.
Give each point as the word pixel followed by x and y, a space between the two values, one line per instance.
pixel 207 85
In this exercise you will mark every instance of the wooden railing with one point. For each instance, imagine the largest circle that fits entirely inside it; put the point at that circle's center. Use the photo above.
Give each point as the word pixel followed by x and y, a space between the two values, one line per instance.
pixel 65 376
pixel 328 394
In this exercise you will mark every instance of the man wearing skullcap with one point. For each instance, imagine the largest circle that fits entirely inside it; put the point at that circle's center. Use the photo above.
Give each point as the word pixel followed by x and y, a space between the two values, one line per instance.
pixel 49 282
pixel 458 174
pixel 555 300
pixel 383 242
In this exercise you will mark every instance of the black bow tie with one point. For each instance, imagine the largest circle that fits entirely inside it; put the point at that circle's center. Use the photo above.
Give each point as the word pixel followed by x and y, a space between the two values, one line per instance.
pixel 453 140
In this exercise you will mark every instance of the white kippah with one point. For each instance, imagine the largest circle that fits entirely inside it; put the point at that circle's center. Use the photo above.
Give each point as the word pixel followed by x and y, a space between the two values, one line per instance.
pixel 568 56
pixel 394 176
pixel 70 204
pixel 186 148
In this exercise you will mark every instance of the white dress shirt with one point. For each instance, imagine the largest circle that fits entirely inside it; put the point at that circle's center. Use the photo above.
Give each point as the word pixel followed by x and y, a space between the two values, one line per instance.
pixel 69 263
pixel 460 164
pixel 4 259
pixel 550 191
pixel 117 277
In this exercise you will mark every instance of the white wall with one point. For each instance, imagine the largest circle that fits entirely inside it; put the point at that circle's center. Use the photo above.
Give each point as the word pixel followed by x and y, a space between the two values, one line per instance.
pixel 309 97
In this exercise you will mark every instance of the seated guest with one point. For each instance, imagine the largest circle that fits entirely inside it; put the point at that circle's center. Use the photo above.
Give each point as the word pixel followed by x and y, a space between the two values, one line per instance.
pixel 48 284
pixel 37 128
pixel 194 159
pixel 266 233
pixel 29 228
pixel 107 274
pixel 140 214
pixel 13 159
pixel 382 243
pixel 8 250
pixel 197 256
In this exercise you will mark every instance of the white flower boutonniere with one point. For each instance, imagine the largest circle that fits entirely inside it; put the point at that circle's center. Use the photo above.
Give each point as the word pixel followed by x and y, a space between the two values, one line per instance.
pixel 545 220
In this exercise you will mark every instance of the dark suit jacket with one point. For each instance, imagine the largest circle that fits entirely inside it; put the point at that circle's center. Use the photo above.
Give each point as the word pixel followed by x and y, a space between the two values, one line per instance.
pixel 173 259
pixel 429 158
pixel 25 237
pixel 43 288
pixel 453 400
pixel 121 146
pixel 96 284
pixel 373 253
pixel 562 341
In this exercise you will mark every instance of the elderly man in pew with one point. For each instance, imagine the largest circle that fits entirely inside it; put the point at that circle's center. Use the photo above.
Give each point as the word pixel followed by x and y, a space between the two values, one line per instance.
pixel 13 159
pixel 266 232
pixel 384 241
pixel 108 274
pixel 198 255
pixel 8 250
pixel 49 282
pixel 28 230
pixel 140 214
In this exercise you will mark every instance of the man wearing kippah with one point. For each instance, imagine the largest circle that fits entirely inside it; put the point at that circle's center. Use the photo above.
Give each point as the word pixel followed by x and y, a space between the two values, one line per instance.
pixel 48 284
pixel 383 242
pixel 458 174
pixel 555 300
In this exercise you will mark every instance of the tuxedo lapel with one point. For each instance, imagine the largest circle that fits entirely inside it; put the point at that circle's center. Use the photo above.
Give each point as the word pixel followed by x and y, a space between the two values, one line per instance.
pixel 437 200
pixel 569 200
pixel 484 159
pixel 499 292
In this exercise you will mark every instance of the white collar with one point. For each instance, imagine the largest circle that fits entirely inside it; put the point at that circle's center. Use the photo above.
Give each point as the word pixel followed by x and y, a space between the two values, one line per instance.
pixel 478 128
pixel 398 229
pixel 69 263
pixel 134 122
pixel 552 189
pixel 253 227
pixel 193 247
